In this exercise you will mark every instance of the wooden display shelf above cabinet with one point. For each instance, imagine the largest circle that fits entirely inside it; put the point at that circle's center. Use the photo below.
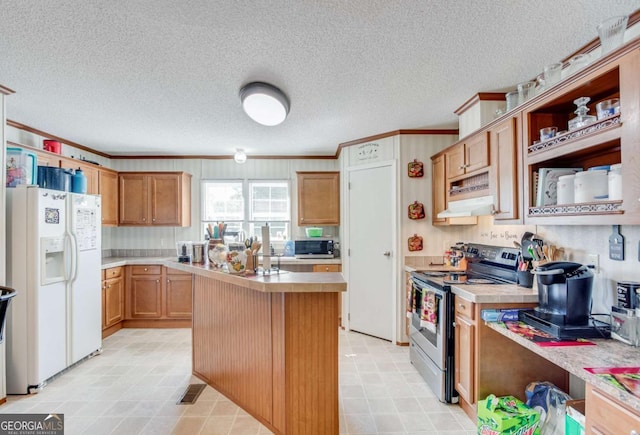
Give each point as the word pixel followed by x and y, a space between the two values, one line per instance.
pixel 606 141
pixel 318 198
pixel 154 199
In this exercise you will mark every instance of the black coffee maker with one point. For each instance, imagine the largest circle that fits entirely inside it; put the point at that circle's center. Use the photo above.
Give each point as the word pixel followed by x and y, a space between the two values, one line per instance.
pixel 564 298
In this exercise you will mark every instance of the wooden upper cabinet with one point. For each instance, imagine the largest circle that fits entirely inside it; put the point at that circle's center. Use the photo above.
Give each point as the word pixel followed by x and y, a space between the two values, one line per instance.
pixel 504 169
pixel 438 189
pixel 454 159
pixel 133 199
pixel 46 158
pixel 154 198
pixel 468 156
pixel 318 198
pixel 108 186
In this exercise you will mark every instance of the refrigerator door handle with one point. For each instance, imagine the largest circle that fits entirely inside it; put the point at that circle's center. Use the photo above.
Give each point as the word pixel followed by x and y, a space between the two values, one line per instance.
pixel 68 257
pixel 74 257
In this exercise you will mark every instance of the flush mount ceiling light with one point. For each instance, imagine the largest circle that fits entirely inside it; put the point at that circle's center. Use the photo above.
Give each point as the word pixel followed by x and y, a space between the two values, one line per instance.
pixel 240 156
pixel 264 103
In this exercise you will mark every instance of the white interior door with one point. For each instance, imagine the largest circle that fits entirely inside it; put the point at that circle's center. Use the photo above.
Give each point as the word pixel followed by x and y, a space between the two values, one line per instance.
pixel 371 281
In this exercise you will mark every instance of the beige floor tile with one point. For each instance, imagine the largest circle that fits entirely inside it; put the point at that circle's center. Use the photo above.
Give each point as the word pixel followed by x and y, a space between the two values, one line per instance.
pixel 224 407
pixel 102 426
pixel 133 387
pixel 131 425
pixel 189 425
pixel 159 425
pixel 387 423
pixel 245 425
pixel 217 425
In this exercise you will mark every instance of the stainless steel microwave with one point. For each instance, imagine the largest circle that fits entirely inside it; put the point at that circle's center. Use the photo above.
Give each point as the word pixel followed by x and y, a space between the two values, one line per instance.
pixel 314 248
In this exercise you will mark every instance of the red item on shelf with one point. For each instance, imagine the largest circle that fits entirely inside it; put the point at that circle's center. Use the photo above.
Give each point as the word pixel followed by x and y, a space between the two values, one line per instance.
pixel 52 146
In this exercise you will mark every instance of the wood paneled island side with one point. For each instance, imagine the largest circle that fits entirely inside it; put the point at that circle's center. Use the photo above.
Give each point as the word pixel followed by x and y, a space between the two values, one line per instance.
pixel 270 344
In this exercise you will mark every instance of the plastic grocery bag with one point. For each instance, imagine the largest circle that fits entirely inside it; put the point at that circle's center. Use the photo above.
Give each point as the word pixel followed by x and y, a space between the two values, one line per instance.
pixel 550 402
pixel 506 416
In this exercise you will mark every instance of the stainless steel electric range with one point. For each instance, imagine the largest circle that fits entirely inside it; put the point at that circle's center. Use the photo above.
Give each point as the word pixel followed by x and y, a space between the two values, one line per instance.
pixel 432 337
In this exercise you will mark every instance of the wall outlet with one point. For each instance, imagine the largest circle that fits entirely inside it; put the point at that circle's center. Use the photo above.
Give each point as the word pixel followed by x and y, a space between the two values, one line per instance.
pixel 593 260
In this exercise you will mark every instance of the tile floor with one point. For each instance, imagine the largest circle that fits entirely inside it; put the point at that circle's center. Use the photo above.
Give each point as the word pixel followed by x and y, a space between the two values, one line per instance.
pixel 133 387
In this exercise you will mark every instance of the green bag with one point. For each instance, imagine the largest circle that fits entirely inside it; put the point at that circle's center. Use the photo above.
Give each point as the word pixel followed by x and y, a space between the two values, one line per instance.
pixel 506 416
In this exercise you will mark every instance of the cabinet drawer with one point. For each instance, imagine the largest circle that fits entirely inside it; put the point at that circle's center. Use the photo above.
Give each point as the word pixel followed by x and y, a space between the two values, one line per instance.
pixel 607 416
pixel 146 270
pixel 113 272
pixel 465 308
pixel 327 268
pixel 176 272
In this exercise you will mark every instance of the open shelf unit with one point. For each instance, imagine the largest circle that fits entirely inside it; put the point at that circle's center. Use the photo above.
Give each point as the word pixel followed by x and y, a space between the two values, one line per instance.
pixel 608 141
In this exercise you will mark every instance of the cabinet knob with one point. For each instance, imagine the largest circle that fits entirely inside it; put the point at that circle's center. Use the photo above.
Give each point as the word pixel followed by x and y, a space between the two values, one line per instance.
pixel 109 286
pixel 168 281
pixel 145 269
pixel 326 269
pixel 461 306
pixel 158 281
pixel 154 219
pixel 387 253
pixel 144 219
pixel 461 167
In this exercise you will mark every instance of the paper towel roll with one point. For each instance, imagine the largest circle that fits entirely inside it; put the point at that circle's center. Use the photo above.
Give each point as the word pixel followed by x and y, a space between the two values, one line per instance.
pixel 266 250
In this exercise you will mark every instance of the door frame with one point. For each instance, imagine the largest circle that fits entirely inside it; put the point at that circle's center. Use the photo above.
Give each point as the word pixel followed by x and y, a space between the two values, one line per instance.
pixel 395 249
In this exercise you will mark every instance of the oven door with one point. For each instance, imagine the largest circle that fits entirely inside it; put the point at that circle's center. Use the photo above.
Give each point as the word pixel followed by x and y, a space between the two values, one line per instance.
pixel 432 343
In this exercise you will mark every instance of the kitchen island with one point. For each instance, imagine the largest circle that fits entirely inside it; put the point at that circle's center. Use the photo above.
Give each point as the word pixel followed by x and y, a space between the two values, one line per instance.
pixel 270 344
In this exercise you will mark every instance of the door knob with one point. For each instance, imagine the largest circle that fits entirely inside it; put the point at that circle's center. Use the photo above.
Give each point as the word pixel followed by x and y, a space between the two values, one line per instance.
pixel 387 253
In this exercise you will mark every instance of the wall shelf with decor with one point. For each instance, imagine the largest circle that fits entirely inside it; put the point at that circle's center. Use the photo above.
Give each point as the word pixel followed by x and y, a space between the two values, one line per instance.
pixel 602 141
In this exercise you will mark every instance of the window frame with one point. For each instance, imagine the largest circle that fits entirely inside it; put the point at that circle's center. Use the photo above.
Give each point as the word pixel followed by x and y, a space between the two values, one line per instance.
pixel 247 222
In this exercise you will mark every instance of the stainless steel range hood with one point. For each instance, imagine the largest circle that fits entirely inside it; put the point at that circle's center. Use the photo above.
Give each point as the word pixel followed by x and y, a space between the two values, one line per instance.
pixel 481 206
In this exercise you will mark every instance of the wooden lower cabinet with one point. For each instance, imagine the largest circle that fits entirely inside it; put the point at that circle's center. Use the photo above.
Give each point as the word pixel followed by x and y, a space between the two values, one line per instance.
pixel 332 268
pixel 464 357
pixel 178 295
pixel 112 300
pixel 607 416
pixel 490 363
pixel 157 296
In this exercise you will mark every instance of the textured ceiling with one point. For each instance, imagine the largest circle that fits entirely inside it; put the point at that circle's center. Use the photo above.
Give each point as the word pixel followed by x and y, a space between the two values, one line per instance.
pixel 162 77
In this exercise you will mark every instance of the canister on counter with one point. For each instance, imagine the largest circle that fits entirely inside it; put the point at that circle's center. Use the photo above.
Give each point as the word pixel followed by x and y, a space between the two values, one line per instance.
pixel 628 294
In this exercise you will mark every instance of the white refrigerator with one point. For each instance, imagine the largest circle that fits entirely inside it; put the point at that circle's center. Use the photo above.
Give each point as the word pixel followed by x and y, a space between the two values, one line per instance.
pixel 53 262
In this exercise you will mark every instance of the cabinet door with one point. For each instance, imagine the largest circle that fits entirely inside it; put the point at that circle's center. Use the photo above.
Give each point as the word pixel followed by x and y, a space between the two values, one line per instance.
pixel 46 158
pixel 505 169
pixel 327 268
pixel 166 198
pixel 108 186
pixel 104 303
pixel 145 297
pixel 464 353
pixel 438 189
pixel 318 198
pixel 178 296
pixel 133 199
pixel 454 160
pixel 476 153
pixel 114 301
pixel 607 416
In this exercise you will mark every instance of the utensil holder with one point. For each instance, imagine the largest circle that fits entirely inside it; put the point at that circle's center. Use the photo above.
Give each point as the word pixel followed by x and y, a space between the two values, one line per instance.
pixel 525 279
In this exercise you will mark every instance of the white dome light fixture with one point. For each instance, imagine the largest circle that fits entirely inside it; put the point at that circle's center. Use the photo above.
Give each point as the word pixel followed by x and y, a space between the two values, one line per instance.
pixel 264 103
pixel 240 156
